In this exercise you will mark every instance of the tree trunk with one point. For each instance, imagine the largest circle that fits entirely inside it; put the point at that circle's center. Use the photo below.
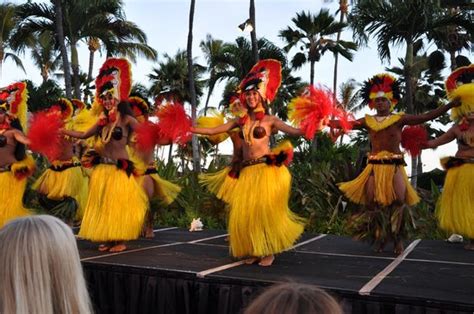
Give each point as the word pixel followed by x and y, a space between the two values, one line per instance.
pixel 343 11
pixel 89 73
pixel 253 33
pixel 170 153
pixel 192 90
pixel 409 101
pixel 311 73
pixel 91 65
pixel 62 44
pixel 75 70
pixel 452 56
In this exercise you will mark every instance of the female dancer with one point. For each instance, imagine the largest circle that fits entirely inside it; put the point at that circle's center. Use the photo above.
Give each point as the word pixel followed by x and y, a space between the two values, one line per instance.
pixel 15 165
pixel 153 185
pixel 63 188
pixel 456 212
pixel 116 204
pixel 260 222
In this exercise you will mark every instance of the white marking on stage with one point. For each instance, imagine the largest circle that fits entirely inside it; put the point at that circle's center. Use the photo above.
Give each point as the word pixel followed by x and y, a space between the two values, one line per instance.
pixel 374 282
pixel 347 255
pixel 210 238
pixel 152 247
pixel 131 251
pixel 165 229
pixel 206 272
pixel 308 241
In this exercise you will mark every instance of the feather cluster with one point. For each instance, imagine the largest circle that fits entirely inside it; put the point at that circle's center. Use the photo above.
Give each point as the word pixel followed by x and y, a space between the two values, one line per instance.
pixel 147 136
pixel 174 123
pixel 44 134
pixel 313 109
pixel 414 138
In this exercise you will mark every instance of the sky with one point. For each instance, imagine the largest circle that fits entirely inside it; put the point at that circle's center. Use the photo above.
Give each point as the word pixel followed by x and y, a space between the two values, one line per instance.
pixel 166 24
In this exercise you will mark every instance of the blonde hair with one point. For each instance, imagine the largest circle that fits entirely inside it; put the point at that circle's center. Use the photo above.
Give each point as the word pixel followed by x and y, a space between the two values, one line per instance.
pixel 288 298
pixel 40 269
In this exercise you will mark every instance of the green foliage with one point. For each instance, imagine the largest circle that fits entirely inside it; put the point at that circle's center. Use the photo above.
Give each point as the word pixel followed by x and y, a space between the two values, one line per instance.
pixel 194 201
pixel 314 192
pixel 43 96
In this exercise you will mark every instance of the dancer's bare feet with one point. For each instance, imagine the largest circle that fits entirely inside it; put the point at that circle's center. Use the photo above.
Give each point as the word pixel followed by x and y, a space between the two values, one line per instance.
pixel 267 260
pixel 119 247
pixel 398 247
pixel 250 261
pixel 379 247
pixel 470 245
pixel 104 247
pixel 149 234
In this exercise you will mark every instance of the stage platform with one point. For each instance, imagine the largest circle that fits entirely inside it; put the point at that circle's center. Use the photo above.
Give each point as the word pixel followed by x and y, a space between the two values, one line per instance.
pixel 191 272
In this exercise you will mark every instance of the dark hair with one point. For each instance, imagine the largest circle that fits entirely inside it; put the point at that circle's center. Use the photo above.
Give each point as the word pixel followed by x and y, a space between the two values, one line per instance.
pixel 291 298
pixel 20 148
pixel 124 108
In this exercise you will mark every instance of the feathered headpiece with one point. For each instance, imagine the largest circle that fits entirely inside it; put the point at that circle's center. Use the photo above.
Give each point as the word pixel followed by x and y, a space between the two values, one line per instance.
pixel 65 106
pixel 13 100
pixel 264 77
pixel 115 78
pixel 78 104
pixel 140 107
pixel 460 84
pixel 381 85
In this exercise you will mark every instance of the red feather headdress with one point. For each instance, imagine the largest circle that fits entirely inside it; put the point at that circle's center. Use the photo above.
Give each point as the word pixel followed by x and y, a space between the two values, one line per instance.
pixel 139 107
pixel 78 104
pixel 64 106
pixel 13 100
pixel 460 84
pixel 265 77
pixel 115 77
pixel 381 85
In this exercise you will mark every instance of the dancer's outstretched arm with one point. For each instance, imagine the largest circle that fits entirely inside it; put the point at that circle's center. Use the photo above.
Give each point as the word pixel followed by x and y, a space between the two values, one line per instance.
pixel 217 130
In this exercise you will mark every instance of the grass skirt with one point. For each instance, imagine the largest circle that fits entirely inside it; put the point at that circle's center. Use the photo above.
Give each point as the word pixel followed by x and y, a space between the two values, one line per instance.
pixel 115 208
pixel 11 197
pixel 72 182
pixel 384 193
pixel 219 183
pixel 163 189
pixel 456 211
pixel 260 222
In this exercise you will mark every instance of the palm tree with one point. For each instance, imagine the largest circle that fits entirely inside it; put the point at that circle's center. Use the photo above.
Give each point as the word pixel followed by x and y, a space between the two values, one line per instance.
pixel 253 33
pixel 192 90
pixel 235 62
pixel 213 50
pixel 8 20
pixel 59 28
pixel 398 22
pixel 313 33
pixel 45 55
pixel 170 79
pixel 343 9
pixel 82 20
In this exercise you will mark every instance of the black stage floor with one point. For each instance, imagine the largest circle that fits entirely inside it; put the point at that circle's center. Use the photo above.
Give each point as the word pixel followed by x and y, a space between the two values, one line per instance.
pixel 191 272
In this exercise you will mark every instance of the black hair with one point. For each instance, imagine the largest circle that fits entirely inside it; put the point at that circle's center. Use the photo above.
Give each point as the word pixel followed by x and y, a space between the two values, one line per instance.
pixel 20 149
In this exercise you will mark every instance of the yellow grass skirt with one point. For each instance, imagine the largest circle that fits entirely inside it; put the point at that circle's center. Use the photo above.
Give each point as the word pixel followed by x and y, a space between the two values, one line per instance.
pixel 163 189
pixel 260 222
pixel 219 183
pixel 384 193
pixel 456 213
pixel 72 182
pixel 11 197
pixel 115 208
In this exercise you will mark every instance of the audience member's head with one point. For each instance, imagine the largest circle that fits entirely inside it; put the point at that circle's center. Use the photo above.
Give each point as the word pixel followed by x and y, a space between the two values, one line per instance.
pixel 289 298
pixel 40 269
